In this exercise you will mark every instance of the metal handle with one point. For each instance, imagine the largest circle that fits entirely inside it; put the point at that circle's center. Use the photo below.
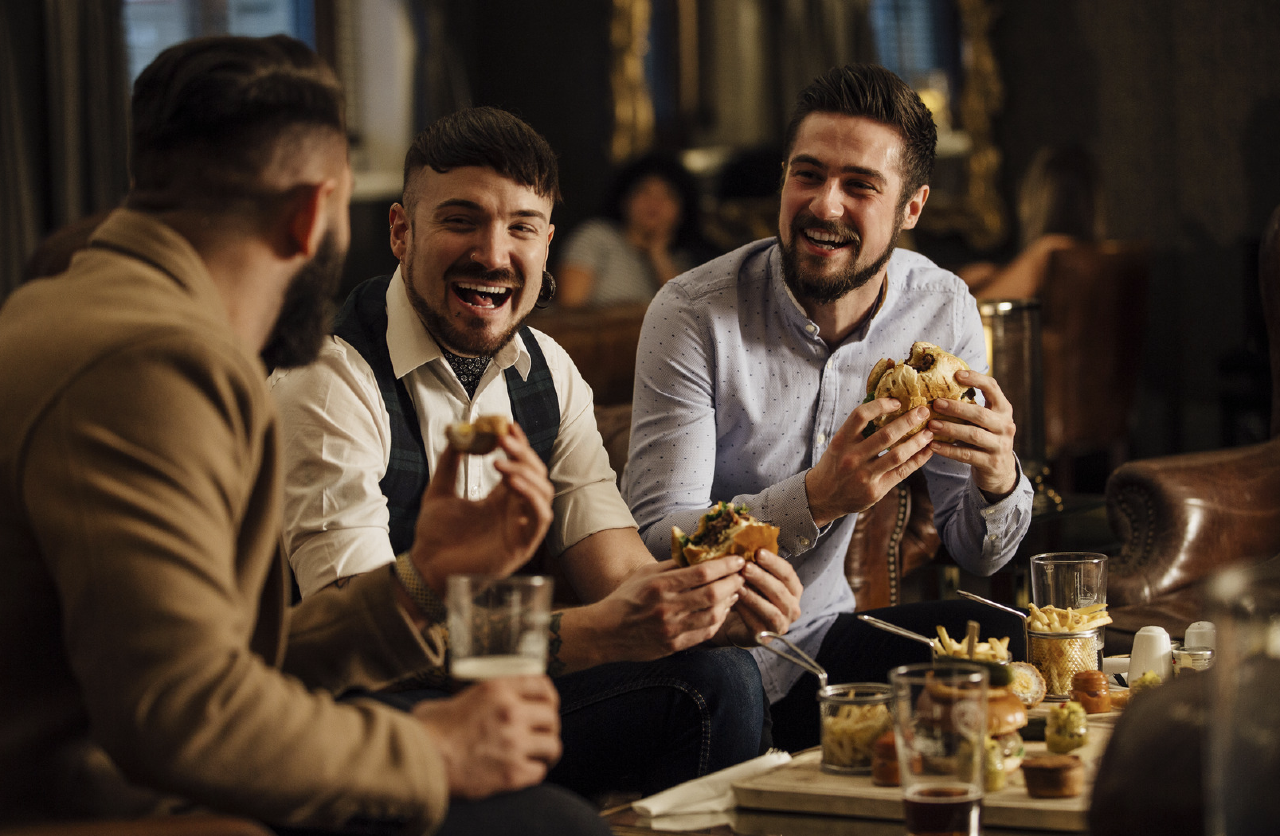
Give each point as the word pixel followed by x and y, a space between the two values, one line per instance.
pixel 900 631
pixel 801 658
pixel 1026 639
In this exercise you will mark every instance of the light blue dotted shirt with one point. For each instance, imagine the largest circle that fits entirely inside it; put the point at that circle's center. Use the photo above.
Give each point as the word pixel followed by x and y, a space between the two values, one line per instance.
pixel 737 396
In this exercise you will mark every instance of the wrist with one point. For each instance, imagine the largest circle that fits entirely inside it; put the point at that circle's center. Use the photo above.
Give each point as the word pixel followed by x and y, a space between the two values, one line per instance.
pixel 426 600
pixel 821 515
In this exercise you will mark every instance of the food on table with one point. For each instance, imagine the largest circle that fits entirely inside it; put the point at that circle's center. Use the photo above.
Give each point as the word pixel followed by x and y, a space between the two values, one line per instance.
pixel 884 761
pixel 722 530
pixel 849 734
pixel 1054 776
pixel 1058 649
pixel 1090 689
pixel 1146 682
pixel 1066 728
pixel 1006 715
pixel 992 650
pixel 478 437
pixel 1120 698
pixel 1027 683
pixel 927 374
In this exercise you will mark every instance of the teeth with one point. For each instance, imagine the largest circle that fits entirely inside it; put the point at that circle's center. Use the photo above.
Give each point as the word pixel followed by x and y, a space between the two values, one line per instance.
pixel 483 288
pixel 824 237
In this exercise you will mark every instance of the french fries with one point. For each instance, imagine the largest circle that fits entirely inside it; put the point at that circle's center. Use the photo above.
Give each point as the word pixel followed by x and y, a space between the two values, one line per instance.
pixel 992 650
pixel 1069 620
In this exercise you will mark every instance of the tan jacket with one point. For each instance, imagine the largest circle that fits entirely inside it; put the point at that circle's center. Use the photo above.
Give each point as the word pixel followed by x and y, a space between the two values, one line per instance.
pixel 143 601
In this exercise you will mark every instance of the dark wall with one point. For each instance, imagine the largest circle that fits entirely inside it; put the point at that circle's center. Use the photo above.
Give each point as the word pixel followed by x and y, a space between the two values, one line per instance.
pixel 1180 100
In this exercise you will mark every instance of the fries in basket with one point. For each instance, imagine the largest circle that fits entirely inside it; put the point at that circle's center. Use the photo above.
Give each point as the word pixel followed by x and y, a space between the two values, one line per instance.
pixel 1060 658
pixel 992 650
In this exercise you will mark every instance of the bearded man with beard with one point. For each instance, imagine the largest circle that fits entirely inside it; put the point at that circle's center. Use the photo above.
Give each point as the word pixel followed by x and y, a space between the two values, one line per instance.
pixel 642 706
pixel 144 618
pixel 751 372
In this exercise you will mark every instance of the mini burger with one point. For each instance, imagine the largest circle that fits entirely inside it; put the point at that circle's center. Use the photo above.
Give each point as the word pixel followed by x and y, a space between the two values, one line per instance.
pixel 479 437
pixel 928 374
pixel 1003 746
pixel 723 530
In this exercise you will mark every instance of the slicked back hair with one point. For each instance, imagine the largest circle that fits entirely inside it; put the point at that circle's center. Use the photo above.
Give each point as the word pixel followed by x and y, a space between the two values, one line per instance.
pixel 487 137
pixel 872 91
pixel 208 114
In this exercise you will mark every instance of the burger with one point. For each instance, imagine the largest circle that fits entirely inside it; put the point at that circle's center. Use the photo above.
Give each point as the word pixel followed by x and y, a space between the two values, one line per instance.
pixel 1003 745
pixel 927 374
pixel 723 530
pixel 479 437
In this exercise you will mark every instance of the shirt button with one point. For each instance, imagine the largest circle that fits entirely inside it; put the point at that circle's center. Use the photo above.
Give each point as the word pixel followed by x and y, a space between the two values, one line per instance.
pixel 811 328
pixel 831 364
pixel 822 438
pixel 804 541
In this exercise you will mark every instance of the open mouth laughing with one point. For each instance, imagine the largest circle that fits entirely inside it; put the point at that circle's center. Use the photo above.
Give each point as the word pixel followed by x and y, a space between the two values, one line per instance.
pixel 826 240
pixel 482 295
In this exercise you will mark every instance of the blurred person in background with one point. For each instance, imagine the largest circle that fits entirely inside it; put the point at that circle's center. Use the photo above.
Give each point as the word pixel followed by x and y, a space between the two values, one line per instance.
pixel 650 233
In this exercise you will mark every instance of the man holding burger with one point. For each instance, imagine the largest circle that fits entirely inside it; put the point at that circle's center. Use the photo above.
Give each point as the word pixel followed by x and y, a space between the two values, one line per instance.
pixel 752 370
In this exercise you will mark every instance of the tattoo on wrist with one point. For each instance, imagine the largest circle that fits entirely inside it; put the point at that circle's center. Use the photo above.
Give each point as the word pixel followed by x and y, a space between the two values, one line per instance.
pixel 554 666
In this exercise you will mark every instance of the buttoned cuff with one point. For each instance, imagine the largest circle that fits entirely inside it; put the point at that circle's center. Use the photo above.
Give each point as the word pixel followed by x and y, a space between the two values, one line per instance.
pixel 786 505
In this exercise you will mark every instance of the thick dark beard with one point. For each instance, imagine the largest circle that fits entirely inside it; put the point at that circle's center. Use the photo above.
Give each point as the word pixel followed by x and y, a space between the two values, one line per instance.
pixel 306 315
pixel 826 291
pixel 455 335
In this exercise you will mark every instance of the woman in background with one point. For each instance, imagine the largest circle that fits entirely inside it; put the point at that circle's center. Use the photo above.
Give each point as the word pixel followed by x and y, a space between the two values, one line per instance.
pixel 650 233
pixel 1059 205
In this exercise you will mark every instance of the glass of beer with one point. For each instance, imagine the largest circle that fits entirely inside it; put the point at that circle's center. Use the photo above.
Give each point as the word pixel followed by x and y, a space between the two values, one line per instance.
pixel 498 626
pixel 940 723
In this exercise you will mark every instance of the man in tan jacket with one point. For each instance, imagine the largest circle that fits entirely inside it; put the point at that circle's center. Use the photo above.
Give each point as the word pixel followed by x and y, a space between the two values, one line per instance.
pixel 144 619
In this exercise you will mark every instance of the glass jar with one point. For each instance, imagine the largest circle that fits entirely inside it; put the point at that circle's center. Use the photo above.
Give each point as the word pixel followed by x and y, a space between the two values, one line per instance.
pixel 853 716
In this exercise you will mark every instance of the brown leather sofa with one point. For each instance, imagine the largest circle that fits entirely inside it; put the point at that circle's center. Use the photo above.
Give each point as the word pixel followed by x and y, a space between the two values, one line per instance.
pixel 1183 517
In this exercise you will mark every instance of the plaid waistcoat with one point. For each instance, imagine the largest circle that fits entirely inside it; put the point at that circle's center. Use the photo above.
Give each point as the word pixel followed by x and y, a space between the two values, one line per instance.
pixel 362 322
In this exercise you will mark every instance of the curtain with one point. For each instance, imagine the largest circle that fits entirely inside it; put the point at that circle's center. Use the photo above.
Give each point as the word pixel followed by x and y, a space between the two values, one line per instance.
pixel 63 120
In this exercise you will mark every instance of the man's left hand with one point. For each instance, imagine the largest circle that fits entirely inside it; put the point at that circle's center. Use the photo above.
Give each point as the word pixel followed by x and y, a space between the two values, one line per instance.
pixel 985 442
pixel 769 600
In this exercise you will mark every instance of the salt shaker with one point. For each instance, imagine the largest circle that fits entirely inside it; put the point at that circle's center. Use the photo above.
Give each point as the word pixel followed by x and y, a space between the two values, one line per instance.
pixel 1201 634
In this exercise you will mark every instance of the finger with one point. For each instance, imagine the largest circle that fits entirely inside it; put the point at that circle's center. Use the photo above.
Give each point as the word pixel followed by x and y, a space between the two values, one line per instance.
pixel 444 477
pixel 532 489
pixel 780 569
pixel 705 572
pixel 756 609
pixel 709 595
pixel 990 388
pixel 852 428
pixel 516 445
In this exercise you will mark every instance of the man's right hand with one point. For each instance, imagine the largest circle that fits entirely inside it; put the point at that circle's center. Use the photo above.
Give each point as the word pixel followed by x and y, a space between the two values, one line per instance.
pixel 661 608
pixel 496 736
pixel 492 536
pixel 852 475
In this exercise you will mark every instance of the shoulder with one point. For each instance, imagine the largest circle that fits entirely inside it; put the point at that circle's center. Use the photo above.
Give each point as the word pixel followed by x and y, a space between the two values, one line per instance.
pixel 720 279
pixel 338 367
pixel 913 274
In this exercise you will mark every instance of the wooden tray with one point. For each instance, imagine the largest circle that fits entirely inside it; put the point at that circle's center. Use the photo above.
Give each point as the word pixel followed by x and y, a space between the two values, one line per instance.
pixel 802 787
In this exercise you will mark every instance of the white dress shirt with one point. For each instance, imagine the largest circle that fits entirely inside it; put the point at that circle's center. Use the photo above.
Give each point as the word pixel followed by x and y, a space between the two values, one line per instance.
pixel 336 439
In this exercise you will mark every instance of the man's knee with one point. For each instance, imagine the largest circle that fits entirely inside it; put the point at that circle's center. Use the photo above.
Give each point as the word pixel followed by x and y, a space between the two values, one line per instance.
pixel 725 676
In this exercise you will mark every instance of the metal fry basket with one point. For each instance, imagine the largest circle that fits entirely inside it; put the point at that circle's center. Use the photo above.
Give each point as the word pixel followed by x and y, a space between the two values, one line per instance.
pixel 1060 656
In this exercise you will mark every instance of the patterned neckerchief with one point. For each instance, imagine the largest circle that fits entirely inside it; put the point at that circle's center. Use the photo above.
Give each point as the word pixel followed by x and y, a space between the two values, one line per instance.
pixel 468 369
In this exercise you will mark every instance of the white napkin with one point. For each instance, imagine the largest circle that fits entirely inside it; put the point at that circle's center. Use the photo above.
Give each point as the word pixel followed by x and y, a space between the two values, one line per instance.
pixel 710 793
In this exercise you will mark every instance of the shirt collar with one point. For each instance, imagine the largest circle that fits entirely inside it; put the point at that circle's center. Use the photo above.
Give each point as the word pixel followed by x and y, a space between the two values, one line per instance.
pixel 411 345
pixel 805 323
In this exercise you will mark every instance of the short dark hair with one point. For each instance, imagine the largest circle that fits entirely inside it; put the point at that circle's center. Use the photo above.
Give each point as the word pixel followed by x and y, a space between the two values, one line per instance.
pixel 208 112
pixel 872 91
pixel 487 137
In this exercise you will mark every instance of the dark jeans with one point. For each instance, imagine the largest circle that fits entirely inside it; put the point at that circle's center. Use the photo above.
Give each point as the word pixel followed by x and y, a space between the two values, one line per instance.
pixel 646 726
pixel 854 651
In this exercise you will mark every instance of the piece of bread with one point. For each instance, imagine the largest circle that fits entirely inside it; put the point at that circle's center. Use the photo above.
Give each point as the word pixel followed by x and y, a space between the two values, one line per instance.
pixel 1054 776
pixel 927 374
pixel 1027 683
pixel 724 529
pixel 478 437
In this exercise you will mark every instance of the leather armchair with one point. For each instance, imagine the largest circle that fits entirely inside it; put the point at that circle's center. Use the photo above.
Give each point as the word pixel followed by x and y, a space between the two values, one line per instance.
pixel 1183 517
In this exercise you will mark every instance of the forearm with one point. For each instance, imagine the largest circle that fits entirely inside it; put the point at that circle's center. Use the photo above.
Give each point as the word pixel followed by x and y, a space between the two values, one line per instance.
pixel 979 535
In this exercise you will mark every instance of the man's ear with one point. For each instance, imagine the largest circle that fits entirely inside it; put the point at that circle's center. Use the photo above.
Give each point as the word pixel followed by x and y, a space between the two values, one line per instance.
pixel 911 211
pixel 399 219
pixel 308 211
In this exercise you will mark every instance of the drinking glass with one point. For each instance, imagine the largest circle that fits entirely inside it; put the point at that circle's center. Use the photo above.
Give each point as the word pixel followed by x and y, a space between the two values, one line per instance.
pixel 1068 579
pixel 498 626
pixel 940 722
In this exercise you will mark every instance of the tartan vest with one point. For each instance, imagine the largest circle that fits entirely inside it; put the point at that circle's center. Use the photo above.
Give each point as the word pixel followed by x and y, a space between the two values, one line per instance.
pixel 362 322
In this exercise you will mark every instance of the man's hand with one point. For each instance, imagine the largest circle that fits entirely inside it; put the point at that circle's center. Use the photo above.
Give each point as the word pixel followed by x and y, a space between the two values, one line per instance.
pixel 852 474
pixel 770 599
pixel 495 535
pixel 661 608
pixel 987 445
pixel 496 736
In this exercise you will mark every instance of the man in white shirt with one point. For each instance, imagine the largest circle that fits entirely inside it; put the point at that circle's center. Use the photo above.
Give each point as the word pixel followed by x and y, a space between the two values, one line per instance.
pixel 442 340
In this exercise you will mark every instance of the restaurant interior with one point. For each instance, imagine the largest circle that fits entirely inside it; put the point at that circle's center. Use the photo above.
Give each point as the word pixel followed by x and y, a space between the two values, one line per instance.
pixel 1144 365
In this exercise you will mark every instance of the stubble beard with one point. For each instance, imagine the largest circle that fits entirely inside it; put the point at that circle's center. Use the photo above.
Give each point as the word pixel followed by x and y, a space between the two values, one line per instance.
pixel 824 291
pixel 306 314
pixel 464 335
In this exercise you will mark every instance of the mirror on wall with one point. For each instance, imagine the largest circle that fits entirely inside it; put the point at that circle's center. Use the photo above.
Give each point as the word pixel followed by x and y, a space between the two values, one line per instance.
pixel 717 78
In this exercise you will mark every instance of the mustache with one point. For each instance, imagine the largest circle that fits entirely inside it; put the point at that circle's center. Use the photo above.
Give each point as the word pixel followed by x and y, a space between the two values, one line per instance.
pixel 475 270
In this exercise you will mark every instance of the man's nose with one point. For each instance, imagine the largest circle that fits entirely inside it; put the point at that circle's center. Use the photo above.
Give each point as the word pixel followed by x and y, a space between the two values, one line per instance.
pixel 492 250
pixel 827 204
